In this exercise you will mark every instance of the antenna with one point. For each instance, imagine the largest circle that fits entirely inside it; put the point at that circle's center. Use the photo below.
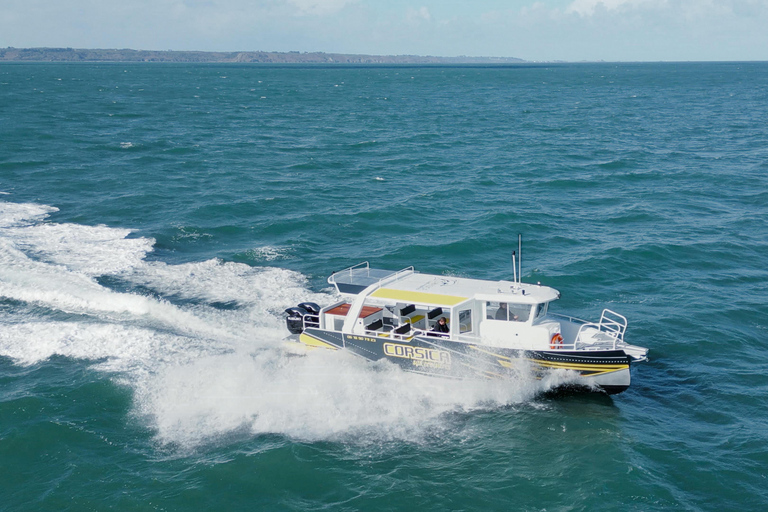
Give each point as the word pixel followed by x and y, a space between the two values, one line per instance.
pixel 514 268
pixel 520 257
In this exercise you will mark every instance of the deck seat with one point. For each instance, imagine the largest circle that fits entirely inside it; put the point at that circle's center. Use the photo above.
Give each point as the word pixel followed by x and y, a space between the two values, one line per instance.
pixel 435 313
pixel 375 326
pixel 403 329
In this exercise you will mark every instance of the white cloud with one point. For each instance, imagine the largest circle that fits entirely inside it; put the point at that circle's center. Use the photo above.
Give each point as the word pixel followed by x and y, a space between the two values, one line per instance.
pixel 684 8
pixel 418 15
pixel 630 30
pixel 319 7
pixel 588 7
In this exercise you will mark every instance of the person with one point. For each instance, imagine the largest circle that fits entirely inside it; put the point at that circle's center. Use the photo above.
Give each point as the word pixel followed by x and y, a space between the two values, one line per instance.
pixel 501 313
pixel 441 325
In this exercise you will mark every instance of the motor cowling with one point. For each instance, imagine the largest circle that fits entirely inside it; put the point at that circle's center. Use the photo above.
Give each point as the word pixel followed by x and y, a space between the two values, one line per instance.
pixel 312 318
pixel 295 319
pixel 310 307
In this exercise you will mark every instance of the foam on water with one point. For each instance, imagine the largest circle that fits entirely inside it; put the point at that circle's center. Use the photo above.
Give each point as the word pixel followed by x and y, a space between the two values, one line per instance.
pixel 317 395
pixel 199 370
pixel 89 250
pixel 120 348
pixel 63 289
pixel 14 214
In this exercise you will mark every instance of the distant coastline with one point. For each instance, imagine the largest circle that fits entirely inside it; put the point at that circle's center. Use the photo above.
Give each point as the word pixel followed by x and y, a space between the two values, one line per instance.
pixel 126 55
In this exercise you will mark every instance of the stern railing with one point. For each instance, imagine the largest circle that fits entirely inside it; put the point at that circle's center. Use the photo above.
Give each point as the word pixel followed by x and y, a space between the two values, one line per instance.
pixel 365 266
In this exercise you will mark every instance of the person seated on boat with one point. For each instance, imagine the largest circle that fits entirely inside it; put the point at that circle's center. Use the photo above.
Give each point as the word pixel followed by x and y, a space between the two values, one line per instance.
pixel 441 325
pixel 501 313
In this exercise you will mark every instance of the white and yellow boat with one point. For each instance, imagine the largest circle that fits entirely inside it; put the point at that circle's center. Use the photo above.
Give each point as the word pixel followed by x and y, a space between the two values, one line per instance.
pixel 493 328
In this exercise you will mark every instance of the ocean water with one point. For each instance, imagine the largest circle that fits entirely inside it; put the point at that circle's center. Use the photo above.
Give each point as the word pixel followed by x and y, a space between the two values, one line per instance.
pixel 156 219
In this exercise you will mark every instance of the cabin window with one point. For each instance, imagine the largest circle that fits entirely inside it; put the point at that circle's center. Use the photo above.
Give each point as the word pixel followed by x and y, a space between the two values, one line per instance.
pixel 493 311
pixel 507 311
pixel 519 312
pixel 465 321
pixel 541 310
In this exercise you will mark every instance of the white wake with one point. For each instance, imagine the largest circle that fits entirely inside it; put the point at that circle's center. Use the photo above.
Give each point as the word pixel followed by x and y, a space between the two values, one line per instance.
pixel 199 371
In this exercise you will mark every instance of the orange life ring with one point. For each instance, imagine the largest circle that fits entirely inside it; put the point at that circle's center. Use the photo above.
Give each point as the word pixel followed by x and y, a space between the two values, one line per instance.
pixel 556 341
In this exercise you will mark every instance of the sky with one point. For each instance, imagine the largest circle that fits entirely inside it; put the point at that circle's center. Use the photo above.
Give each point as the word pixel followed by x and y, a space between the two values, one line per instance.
pixel 543 30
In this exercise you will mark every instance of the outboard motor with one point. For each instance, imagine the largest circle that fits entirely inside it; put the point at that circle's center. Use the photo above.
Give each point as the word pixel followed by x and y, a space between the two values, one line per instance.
pixel 313 318
pixel 311 307
pixel 295 319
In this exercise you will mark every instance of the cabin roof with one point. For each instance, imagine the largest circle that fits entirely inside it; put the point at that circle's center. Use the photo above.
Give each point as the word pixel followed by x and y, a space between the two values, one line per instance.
pixel 440 290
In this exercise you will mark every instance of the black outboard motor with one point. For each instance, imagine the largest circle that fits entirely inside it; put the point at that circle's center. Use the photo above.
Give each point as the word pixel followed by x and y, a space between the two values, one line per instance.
pixel 313 318
pixel 311 307
pixel 295 319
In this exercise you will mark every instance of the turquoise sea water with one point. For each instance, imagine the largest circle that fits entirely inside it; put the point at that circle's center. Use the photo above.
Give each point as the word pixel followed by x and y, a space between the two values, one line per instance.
pixel 156 219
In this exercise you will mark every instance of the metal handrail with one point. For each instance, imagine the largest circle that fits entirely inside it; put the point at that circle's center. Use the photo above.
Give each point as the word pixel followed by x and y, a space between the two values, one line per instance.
pixel 611 323
pixel 615 326
pixel 431 334
pixel 392 334
pixel 365 264
pixel 312 320
pixel 332 278
pixel 571 319
pixel 394 276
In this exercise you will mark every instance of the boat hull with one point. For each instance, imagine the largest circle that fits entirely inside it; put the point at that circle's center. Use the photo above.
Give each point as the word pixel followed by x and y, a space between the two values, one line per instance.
pixel 604 370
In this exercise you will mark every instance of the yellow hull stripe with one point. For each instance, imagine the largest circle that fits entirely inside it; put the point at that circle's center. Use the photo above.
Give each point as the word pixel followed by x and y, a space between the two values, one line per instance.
pixel 434 299
pixel 582 367
pixel 506 362
pixel 314 342
pixel 483 373
pixel 491 353
pixel 593 369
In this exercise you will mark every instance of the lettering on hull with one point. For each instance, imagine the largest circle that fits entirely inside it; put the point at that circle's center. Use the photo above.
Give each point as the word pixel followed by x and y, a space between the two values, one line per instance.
pixel 420 356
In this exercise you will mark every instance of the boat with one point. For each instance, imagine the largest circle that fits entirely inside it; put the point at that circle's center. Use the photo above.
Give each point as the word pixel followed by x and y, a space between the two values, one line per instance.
pixel 459 327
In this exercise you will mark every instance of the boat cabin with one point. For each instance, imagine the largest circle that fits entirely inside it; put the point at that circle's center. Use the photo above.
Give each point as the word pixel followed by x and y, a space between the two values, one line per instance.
pixel 406 303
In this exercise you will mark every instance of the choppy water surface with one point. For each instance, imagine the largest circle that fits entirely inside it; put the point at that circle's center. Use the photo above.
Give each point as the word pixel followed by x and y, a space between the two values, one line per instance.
pixel 155 220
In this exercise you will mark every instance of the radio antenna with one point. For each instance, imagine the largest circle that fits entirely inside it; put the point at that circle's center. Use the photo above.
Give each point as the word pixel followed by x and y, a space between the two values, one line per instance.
pixel 520 257
pixel 514 268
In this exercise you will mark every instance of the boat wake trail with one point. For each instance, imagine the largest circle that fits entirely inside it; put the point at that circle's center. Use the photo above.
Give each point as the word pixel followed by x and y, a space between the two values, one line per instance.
pixel 201 344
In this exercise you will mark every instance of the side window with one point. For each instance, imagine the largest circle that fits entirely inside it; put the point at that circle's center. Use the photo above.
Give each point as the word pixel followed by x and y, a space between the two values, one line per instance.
pixel 541 310
pixel 507 311
pixel 465 321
